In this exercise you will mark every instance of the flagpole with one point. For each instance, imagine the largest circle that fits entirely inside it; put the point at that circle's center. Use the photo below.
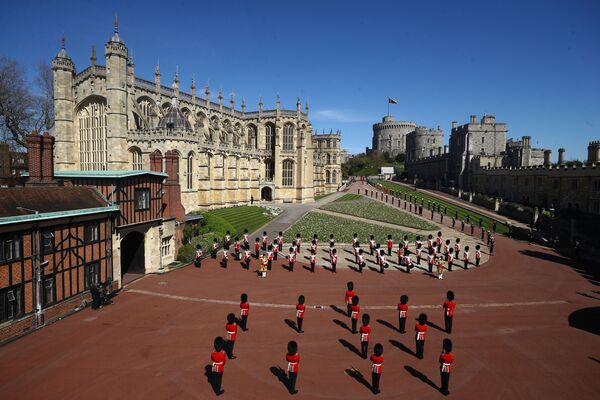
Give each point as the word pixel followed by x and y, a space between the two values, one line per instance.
pixel 388 108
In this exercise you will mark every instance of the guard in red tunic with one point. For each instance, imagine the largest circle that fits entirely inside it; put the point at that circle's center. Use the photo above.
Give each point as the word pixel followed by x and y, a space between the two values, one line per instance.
pixel 291 259
pixel 420 330
pixel 446 248
pixel 227 239
pixel 429 243
pixel 449 306
pixel 313 260
pixel 430 260
pixel 246 241
pixel 457 249
pixel 477 255
pixel 376 363
pixel 218 359
pixel 198 256
pixel 418 252
pixel 438 241
pixel 400 254
pixel 316 239
pixel 372 244
pixel 298 242
pixel 390 244
pixel 405 245
pixel 280 244
pixel 334 260
pixel 269 257
pixel 354 312
pixel 244 309
pixel 275 250
pixel 365 333
pixel 257 248
pixel 402 313
pixel 313 246
pixel 354 239
pixel 349 295
pixel 331 241
pixel 237 247
pixel 450 259
pixel 409 263
pixel 225 259
pixel 466 257
pixel 361 260
pixel 293 359
pixel 231 328
pixel 215 248
pixel 265 240
pixel 247 256
pixel 446 360
pixel 300 308
pixel 382 263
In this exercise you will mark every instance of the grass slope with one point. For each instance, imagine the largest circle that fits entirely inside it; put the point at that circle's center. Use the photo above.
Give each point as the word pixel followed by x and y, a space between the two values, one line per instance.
pixel 342 228
pixel 452 208
pixel 377 211
pixel 348 197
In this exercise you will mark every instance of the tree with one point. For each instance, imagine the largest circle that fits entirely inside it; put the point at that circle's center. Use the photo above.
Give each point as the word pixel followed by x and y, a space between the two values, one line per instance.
pixel 24 108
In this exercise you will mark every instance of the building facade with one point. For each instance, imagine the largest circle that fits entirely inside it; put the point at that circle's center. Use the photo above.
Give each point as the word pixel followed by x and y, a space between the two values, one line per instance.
pixel 12 166
pixel 109 119
pixel 424 142
pixel 327 162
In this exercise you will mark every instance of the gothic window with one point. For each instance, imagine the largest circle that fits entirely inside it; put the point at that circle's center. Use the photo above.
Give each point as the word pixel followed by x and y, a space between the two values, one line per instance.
pixel 136 159
pixel 190 170
pixel 288 137
pixel 328 158
pixel 327 177
pixel 252 142
pixel 288 173
pixel 270 137
pixel 148 110
pixel 269 170
pixel 334 177
pixel 91 119
pixel 334 159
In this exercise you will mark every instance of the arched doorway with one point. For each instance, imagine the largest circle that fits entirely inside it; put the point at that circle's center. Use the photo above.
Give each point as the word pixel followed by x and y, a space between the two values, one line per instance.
pixel 132 256
pixel 266 194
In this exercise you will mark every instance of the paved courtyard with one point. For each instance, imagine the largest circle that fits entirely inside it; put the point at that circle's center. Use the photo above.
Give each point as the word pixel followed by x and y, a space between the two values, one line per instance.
pixel 524 329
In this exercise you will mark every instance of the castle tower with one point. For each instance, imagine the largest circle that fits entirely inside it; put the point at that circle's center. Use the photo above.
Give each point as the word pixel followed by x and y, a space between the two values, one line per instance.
pixel 594 152
pixel 63 70
pixel 115 53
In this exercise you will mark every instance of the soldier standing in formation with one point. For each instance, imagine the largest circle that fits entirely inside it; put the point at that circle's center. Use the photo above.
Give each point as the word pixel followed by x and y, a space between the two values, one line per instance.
pixel 244 310
pixel 365 332
pixel 420 331
pixel 446 360
pixel 300 308
pixel 402 311
pixel 218 359
pixel 293 359
pixel 449 306
pixel 377 361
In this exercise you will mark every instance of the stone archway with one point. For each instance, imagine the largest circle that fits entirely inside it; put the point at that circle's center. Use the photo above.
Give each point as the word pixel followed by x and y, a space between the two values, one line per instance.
pixel 266 194
pixel 132 256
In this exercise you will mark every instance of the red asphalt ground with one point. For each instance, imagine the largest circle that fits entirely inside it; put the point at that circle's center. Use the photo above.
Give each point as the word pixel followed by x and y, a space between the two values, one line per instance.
pixel 153 346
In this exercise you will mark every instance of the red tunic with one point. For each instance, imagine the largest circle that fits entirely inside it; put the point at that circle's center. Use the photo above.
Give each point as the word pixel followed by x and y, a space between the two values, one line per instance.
pixel 291 257
pixel 420 331
pixel 449 308
pixel 300 308
pixel 256 246
pixel 402 308
pixel 355 310
pixel 478 254
pixel 231 331
pixel 390 244
pixel 377 361
pixel 293 361
pixel 237 247
pixel 333 259
pixel 348 296
pixel 365 332
pixel 218 359
pixel 244 308
pixel 446 360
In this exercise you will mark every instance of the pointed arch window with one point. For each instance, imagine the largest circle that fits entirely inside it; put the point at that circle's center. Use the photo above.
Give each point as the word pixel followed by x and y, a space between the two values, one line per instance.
pixel 91 120
pixel 270 137
pixel 190 170
pixel 327 177
pixel 252 139
pixel 136 159
pixel 288 173
pixel 288 137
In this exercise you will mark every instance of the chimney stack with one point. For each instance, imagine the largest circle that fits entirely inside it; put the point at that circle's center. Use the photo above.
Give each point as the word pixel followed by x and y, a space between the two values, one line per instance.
pixel 561 156
pixel 47 157
pixel 454 124
pixel 594 152
pixel 34 157
pixel 547 158
pixel 473 119
pixel 526 142
pixel 156 163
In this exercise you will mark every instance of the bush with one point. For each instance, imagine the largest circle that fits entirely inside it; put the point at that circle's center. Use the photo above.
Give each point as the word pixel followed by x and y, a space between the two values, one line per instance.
pixel 485 201
pixel 186 253
pixel 517 211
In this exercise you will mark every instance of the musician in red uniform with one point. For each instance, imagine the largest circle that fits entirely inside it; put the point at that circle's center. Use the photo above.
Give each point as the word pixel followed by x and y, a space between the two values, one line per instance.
pixel 247 256
pixel 313 260
pixel 438 241
pixel 291 258
pixel 298 242
pixel 446 360
pixel 466 257
pixel 218 359
pixel 269 257
pixel 372 244
pixel 349 295
pixel 477 255
pixel 257 248
pixel 280 243
pixel 376 367
pixel 446 249
pixel 354 311
pixel 449 306
pixel 265 240
pixel 237 247
pixel 405 245
pixel 215 247
pixel 402 312
pixel 420 330
pixel 275 249
pixel 365 333
pixel 457 249
pixel 246 241
pixel 361 260
pixel 244 310
pixel 450 258
pixel 418 251
pixel 334 259
pixel 400 254
pixel 198 256
pixel 231 328
pixel 293 359
pixel 300 309
pixel 390 244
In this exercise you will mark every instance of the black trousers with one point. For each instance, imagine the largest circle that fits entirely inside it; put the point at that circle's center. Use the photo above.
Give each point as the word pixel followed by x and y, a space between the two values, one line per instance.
pixel 402 324
pixel 293 377
pixel 312 267
pixel 274 256
pixel 419 260
pixel 299 323
pixel 420 346
pixel 430 268
pixel 364 348
pixel 466 264
pixel 448 323
pixel 244 322
pixel 217 380
pixel 477 262
pixel 375 377
pixel 291 266
pixel 333 267
pixel 450 266
pixel 280 246
pixel 269 264
pixel 229 348
pixel 354 325
pixel 445 382
pixel 389 252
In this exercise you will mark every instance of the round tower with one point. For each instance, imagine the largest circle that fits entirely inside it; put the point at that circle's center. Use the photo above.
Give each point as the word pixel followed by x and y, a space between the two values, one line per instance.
pixel 116 99
pixel 389 136
pixel 63 71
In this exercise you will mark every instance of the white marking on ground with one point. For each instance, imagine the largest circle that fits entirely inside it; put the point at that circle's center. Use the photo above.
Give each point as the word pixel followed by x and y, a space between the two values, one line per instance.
pixel 418 307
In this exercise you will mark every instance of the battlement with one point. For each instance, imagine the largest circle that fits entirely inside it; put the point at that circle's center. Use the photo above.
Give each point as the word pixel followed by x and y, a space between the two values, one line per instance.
pixel 549 168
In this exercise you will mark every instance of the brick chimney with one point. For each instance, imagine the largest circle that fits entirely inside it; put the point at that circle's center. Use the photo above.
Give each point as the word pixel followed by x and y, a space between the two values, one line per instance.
pixel 156 162
pixel 47 166
pixel 172 206
pixel 34 157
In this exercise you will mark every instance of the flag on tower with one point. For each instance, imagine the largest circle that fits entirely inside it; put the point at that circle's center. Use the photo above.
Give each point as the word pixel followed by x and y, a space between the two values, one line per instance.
pixel 392 101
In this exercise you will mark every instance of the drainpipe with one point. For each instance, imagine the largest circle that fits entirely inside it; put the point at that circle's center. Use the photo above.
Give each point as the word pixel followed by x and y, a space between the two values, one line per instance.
pixel 160 233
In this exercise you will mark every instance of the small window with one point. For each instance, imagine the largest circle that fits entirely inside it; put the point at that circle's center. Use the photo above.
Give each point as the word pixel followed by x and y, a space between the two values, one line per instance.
pixel 10 303
pixel 165 247
pixel 48 241
pixel 92 233
pixel 142 199
pixel 48 293
pixel 10 248
pixel 92 274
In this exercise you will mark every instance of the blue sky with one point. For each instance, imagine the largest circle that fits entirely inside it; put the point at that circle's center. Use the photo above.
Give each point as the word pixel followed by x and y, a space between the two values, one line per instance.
pixel 533 64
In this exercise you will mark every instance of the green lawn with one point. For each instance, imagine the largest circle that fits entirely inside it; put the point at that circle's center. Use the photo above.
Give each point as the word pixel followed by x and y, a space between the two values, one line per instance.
pixel 342 228
pixel 452 208
pixel 240 218
pixel 320 196
pixel 348 197
pixel 371 209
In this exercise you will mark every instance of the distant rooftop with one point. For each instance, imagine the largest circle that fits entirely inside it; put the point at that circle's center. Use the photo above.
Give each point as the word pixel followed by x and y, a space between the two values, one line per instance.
pixel 105 174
